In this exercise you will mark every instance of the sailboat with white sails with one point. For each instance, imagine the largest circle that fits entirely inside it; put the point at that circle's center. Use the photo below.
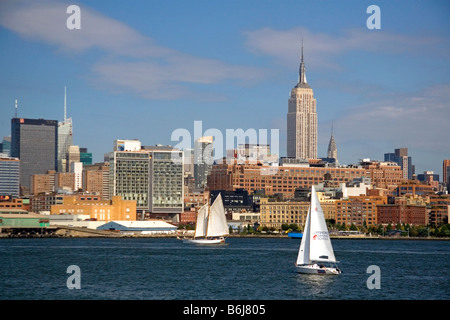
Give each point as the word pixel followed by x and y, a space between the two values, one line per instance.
pixel 316 255
pixel 211 226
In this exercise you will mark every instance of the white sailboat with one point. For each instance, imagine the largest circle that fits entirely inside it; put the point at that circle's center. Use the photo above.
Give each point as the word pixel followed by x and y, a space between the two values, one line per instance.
pixel 211 227
pixel 316 255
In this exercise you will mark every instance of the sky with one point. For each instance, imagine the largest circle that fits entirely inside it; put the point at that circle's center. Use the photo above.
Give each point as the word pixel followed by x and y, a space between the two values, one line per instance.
pixel 145 69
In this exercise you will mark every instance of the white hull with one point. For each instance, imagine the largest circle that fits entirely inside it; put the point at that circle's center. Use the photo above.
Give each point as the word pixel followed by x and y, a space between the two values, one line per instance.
pixel 220 240
pixel 315 269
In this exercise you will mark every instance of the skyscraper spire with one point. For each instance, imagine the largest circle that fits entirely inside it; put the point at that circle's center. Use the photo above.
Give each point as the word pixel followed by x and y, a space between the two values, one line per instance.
pixel 65 105
pixel 302 73
pixel 332 149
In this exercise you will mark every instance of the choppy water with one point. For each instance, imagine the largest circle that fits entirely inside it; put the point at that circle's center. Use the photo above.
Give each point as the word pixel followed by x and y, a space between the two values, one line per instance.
pixel 245 269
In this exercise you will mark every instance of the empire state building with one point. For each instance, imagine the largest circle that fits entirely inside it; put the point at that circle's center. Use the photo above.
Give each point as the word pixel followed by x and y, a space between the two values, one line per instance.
pixel 302 119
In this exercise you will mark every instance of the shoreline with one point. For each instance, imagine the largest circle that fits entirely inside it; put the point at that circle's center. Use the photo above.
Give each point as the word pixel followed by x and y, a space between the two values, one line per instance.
pixel 119 236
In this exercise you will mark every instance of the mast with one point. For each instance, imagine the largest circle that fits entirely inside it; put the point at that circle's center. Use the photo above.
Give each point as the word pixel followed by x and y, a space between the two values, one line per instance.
pixel 15 106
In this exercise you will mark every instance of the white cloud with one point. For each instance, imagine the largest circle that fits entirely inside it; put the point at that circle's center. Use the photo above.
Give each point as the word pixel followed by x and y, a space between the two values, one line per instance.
pixel 418 122
pixel 131 61
pixel 321 49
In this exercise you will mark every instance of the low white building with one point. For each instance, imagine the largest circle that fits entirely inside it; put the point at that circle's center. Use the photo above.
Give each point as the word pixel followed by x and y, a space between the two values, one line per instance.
pixel 143 227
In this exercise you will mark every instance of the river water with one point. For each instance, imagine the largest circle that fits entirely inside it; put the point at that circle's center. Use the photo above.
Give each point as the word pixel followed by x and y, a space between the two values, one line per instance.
pixel 244 269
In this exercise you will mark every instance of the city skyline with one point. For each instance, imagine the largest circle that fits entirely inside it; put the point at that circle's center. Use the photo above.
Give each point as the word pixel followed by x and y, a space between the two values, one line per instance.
pixel 142 71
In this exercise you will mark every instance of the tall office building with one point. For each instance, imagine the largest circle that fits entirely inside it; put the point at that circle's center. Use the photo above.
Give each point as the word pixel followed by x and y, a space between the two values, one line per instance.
pixel 302 119
pixel 65 139
pixel 400 156
pixel 9 176
pixel 35 143
pixel 203 160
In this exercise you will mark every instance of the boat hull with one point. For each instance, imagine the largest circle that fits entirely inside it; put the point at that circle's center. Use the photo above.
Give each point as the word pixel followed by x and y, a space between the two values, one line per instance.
pixel 315 269
pixel 220 240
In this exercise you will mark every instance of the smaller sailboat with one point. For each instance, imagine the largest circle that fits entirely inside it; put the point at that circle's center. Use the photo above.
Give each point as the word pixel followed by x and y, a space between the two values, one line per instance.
pixel 316 255
pixel 211 226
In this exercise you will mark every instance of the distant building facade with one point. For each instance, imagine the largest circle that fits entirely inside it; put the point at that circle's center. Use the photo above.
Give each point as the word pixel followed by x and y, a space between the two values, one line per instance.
pixel 400 156
pixel 203 160
pixel 35 143
pixel 115 209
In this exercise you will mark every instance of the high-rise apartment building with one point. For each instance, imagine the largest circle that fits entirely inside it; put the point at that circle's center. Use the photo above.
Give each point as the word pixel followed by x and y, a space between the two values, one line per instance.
pixel 166 192
pixel 9 176
pixel 129 176
pixel 35 143
pixel 152 176
pixel 302 119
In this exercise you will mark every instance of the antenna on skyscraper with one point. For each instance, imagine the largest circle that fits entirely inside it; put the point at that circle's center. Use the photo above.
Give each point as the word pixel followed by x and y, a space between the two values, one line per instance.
pixel 65 104
pixel 15 114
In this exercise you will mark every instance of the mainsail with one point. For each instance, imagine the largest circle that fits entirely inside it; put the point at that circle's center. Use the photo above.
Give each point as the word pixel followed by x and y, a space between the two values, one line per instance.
pixel 217 222
pixel 316 243
pixel 211 221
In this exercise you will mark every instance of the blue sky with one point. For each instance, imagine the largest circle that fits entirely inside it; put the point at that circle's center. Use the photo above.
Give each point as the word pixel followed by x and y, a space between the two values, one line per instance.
pixel 142 69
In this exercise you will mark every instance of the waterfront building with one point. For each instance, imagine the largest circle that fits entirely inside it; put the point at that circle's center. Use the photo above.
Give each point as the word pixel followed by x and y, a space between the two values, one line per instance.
pixel 166 182
pixel 97 209
pixel 439 209
pixel 302 119
pixel 400 156
pixel 274 214
pixel 35 143
pixel 286 179
pixel 203 160
pixel 359 210
pixel 9 176
pixel 129 174
pixel 402 213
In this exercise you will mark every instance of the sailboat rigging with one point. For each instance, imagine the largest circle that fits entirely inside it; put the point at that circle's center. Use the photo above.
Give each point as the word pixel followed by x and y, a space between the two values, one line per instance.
pixel 211 226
